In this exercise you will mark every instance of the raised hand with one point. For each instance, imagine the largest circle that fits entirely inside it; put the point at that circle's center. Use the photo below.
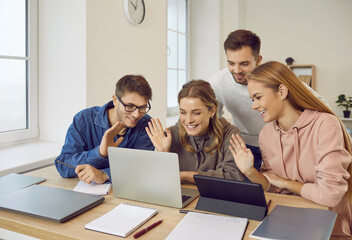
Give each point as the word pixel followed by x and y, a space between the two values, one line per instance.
pixel 243 156
pixel 108 138
pixel 156 134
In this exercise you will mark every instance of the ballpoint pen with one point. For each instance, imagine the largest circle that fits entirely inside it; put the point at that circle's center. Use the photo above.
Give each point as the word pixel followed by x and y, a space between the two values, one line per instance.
pixel 141 232
pixel 68 165
pixel 269 203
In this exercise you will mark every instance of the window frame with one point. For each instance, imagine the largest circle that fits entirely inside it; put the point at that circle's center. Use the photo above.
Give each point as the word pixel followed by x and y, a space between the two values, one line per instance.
pixel 32 130
pixel 171 111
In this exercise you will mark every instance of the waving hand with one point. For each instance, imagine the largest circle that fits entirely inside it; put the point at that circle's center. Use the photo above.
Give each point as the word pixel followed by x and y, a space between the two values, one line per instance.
pixel 156 134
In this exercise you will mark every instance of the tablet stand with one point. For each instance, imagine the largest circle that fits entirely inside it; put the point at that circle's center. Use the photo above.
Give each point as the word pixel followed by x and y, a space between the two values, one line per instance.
pixel 232 208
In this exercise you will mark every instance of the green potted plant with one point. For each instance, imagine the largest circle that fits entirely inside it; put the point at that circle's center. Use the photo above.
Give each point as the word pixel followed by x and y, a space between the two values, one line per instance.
pixel 347 104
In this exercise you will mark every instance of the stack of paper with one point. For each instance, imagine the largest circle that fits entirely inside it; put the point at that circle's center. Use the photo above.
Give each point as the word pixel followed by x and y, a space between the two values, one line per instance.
pixel 93 188
pixel 208 226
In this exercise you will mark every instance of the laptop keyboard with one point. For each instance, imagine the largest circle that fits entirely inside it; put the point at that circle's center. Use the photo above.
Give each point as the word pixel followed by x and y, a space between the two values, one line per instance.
pixel 185 198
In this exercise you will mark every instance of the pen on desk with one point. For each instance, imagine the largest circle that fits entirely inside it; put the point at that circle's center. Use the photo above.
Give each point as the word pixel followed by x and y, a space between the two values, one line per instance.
pixel 68 165
pixel 184 211
pixel 141 232
pixel 187 211
pixel 269 203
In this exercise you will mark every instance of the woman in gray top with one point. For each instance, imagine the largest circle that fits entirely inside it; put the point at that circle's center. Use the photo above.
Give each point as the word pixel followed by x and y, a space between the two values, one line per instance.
pixel 200 138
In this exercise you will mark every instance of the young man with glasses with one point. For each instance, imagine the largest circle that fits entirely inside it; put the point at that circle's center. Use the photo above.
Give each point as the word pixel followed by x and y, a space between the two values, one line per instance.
pixel 119 123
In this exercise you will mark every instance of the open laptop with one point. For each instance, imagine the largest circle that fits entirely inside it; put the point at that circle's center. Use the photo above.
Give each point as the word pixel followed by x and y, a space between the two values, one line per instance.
pixel 148 176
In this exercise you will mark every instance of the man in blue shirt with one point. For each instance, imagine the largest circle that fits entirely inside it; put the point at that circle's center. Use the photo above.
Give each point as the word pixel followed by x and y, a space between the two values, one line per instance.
pixel 119 123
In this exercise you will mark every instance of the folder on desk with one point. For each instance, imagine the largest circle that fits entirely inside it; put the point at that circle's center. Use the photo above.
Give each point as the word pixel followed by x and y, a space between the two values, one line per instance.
pixel 296 223
pixel 49 203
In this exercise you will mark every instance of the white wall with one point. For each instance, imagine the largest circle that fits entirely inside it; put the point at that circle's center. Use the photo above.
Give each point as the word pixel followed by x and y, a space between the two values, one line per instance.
pixel 231 18
pixel 204 38
pixel 116 48
pixel 62 65
pixel 85 46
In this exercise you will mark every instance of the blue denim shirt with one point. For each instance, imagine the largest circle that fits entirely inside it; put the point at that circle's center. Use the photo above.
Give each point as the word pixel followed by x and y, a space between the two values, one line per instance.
pixel 84 136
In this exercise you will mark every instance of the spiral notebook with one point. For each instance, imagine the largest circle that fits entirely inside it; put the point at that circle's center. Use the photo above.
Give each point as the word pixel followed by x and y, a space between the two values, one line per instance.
pixel 122 220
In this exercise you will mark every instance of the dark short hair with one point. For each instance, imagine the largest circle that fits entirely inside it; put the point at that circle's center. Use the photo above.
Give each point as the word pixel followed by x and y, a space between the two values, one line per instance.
pixel 241 38
pixel 131 84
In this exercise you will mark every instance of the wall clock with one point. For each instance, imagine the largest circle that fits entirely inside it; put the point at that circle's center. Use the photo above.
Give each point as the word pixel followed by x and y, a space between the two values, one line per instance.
pixel 134 11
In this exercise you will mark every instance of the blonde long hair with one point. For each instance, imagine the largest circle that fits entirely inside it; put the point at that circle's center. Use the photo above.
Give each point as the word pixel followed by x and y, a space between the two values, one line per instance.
pixel 202 90
pixel 272 74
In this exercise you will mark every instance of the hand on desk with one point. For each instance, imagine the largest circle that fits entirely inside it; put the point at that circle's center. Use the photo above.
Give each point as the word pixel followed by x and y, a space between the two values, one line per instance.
pixel 88 173
pixel 283 183
pixel 187 176
pixel 108 138
pixel 275 180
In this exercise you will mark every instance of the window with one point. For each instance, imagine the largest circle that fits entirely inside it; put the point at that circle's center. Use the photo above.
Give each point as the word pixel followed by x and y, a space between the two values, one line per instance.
pixel 177 63
pixel 18 67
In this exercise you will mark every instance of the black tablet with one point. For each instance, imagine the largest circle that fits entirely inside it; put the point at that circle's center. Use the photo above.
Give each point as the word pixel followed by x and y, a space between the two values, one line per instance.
pixel 231 190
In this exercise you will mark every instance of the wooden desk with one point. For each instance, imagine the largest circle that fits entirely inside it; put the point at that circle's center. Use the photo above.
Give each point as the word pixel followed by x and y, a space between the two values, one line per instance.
pixel 74 228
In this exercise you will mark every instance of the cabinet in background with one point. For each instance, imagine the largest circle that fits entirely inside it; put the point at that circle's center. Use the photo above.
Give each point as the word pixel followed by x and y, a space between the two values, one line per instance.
pixel 305 73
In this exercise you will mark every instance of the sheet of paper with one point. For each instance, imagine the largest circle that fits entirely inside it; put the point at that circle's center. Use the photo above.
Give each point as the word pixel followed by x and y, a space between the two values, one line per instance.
pixel 93 188
pixel 208 226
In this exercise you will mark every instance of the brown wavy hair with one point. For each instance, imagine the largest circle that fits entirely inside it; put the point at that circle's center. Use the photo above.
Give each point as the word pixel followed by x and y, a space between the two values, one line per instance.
pixel 202 90
pixel 272 74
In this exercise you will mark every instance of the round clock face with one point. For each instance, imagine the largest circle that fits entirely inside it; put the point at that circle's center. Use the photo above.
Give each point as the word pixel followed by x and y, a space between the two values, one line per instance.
pixel 134 11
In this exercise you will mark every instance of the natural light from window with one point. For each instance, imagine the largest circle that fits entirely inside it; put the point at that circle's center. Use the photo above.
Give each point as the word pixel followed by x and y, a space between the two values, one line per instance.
pixel 18 70
pixel 177 64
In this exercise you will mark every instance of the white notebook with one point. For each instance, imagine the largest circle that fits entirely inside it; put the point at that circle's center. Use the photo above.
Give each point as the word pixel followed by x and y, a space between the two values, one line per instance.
pixel 208 226
pixel 122 220
pixel 93 188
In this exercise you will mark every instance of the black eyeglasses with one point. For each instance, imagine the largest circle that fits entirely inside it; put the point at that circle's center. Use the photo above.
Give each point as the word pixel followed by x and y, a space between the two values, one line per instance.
pixel 132 108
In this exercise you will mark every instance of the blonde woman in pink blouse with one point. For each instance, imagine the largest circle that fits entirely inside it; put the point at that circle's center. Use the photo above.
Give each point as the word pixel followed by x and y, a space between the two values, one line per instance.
pixel 305 147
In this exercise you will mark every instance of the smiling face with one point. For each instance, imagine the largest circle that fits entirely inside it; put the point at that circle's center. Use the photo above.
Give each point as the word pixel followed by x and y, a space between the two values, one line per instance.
pixel 130 119
pixel 241 62
pixel 195 116
pixel 267 101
